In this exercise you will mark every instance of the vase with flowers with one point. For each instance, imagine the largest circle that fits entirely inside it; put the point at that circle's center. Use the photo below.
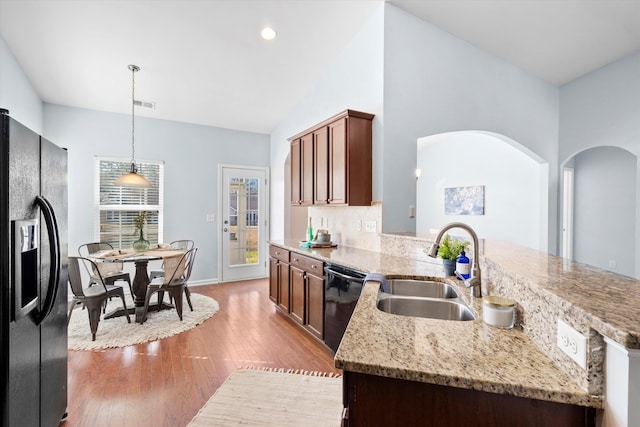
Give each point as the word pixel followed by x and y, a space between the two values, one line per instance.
pixel 140 245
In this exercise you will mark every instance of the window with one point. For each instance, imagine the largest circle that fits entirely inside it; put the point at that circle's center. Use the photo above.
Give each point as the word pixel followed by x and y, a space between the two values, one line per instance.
pixel 116 207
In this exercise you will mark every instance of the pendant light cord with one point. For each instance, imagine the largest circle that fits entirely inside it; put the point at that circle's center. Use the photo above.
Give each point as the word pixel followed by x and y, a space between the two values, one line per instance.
pixel 134 69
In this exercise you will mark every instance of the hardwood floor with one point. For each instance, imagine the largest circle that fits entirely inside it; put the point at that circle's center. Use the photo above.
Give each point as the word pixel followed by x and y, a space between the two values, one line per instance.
pixel 166 382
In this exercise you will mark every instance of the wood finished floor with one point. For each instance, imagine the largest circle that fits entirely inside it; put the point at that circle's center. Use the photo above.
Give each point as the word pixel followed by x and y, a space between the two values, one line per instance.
pixel 166 382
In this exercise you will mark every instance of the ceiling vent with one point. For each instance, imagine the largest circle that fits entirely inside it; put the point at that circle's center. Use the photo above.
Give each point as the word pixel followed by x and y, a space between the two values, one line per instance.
pixel 144 104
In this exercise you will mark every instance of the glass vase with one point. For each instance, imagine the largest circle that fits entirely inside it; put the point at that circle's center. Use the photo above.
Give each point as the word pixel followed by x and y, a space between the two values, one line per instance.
pixel 141 245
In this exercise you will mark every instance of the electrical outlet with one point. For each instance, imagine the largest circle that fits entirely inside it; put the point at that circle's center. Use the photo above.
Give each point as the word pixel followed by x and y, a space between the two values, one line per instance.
pixel 613 263
pixel 573 343
pixel 370 226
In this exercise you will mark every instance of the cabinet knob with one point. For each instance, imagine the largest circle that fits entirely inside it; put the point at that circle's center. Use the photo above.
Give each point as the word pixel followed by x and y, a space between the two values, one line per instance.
pixel 313 266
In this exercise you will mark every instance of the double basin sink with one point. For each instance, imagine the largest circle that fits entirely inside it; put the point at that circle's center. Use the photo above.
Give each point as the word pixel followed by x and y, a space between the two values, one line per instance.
pixel 423 298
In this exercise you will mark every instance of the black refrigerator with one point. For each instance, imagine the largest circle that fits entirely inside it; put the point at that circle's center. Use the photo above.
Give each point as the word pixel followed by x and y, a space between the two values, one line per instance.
pixel 33 277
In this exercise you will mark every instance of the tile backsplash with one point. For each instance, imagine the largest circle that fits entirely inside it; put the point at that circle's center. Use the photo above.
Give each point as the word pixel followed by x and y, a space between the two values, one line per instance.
pixel 347 224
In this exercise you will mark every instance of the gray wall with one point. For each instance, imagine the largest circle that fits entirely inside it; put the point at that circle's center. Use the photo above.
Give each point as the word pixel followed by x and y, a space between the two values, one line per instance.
pixel 605 209
pixel 599 109
pixel 191 154
pixel 16 93
pixel 434 83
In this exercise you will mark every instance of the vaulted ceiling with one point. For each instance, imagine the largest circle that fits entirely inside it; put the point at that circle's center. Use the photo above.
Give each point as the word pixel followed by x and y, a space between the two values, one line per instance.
pixel 204 61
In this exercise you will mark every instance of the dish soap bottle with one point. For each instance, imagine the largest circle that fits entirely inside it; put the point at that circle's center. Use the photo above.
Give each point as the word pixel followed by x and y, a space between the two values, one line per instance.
pixel 462 266
pixel 309 232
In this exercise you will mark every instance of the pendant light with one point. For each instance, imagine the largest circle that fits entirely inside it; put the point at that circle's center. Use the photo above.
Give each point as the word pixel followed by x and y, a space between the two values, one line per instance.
pixel 132 179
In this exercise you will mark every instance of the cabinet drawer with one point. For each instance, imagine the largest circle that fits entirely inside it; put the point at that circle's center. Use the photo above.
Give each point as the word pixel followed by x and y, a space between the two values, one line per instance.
pixel 279 253
pixel 308 264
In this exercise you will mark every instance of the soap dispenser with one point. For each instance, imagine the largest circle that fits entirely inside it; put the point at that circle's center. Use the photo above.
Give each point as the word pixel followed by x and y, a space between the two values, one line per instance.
pixel 463 267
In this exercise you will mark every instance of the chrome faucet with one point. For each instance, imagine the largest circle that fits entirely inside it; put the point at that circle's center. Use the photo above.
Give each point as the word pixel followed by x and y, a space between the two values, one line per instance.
pixel 475 281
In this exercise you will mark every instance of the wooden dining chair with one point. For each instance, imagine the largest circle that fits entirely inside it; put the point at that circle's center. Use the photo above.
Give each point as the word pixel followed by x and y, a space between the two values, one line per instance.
pixel 174 284
pixel 111 272
pixel 92 297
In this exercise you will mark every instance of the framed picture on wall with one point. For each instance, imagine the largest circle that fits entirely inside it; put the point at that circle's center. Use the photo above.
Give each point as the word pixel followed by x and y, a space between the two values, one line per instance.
pixel 464 200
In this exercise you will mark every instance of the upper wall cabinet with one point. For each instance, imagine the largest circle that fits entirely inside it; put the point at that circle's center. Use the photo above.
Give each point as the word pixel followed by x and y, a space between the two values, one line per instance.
pixel 331 162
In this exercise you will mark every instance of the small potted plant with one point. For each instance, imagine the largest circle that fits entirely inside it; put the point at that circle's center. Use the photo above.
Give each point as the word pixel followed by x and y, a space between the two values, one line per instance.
pixel 140 245
pixel 449 251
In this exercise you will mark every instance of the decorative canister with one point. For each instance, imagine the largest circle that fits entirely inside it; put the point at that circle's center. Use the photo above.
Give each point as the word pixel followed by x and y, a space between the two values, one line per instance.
pixel 498 311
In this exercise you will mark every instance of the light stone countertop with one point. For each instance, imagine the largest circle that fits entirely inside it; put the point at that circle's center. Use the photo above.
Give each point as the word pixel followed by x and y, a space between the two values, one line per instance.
pixel 467 354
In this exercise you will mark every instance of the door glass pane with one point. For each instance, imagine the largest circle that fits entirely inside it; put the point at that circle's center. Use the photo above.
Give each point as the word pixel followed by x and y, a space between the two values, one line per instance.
pixel 244 230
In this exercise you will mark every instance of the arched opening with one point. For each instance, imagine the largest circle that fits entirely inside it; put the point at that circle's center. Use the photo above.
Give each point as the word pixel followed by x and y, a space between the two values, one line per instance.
pixel 603 223
pixel 515 182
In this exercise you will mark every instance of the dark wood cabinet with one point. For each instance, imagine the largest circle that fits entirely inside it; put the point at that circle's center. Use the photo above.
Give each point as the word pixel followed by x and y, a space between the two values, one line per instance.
pixel 380 401
pixel 305 289
pixel 306 169
pixel 279 277
pixel 339 169
pixel 315 305
pixel 298 288
pixel 338 162
pixel 321 171
pixel 294 154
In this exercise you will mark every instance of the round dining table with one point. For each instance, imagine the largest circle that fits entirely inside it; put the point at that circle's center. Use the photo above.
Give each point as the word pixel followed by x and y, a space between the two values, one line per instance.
pixel 140 279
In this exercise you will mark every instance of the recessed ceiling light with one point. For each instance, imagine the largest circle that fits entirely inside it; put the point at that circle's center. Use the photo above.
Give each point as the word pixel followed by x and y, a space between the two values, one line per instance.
pixel 268 33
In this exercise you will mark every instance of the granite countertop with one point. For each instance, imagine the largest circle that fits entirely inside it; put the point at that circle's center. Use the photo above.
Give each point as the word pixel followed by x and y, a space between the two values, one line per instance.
pixel 469 354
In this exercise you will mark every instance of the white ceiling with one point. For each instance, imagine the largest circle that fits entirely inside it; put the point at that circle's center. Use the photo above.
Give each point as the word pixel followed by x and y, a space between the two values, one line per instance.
pixel 203 61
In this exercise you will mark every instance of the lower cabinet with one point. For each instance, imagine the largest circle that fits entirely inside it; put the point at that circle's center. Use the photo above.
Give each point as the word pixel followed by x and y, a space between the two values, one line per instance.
pixel 298 295
pixel 279 277
pixel 315 305
pixel 305 290
pixel 372 400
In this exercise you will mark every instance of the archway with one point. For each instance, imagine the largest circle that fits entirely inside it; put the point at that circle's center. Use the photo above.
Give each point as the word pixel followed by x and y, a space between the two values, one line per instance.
pixel 604 208
pixel 515 182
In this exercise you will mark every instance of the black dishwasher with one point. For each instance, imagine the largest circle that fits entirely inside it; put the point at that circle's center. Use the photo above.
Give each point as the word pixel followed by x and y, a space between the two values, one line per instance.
pixel 342 289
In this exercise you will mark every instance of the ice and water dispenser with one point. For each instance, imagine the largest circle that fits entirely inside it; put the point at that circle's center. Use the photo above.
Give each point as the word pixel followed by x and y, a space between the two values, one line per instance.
pixel 25 267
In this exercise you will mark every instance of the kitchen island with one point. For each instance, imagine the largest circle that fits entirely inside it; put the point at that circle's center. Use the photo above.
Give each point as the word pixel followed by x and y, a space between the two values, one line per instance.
pixel 522 362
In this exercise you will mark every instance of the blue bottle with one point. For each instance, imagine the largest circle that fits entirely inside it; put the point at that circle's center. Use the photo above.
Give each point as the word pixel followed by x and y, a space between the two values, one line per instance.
pixel 463 266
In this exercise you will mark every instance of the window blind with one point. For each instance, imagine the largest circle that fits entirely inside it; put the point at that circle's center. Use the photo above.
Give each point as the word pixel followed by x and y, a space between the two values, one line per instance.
pixel 116 207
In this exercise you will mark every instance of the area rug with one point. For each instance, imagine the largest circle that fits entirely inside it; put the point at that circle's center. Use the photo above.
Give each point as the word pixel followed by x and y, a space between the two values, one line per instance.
pixel 117 332
pixel 274 398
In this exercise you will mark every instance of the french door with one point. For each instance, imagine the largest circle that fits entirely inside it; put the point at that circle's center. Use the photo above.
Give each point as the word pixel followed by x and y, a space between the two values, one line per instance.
pixel 243 222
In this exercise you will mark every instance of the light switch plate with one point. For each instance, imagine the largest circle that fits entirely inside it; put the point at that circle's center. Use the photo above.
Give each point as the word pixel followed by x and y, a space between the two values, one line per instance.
pixel 573 343
pixel 211 217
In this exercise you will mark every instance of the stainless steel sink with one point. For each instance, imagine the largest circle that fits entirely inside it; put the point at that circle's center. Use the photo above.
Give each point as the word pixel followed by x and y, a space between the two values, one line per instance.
pixel 421 288
pixel 425 307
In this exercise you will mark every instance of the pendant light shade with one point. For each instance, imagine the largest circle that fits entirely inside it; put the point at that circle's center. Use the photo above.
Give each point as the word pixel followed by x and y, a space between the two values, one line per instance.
pixel 132 179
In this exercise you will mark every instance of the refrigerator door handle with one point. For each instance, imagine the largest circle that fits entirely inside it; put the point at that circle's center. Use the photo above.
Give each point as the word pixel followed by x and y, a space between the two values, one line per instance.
pixel 54 250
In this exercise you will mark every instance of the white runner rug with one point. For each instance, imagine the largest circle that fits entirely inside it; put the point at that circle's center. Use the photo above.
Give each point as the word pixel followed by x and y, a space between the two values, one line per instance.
pixel 267 398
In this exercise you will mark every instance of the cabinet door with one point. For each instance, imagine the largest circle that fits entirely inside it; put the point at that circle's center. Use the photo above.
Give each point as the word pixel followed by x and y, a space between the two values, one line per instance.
pixel 321 163
pixel 274 277
pixel 296 178
pixel 297 297
pixel 315 305
pixel 338 162
pixel 283 286
pixel 306 172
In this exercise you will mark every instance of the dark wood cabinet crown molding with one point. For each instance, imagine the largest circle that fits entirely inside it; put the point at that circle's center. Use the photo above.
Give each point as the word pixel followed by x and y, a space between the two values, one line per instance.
pixel 345 113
